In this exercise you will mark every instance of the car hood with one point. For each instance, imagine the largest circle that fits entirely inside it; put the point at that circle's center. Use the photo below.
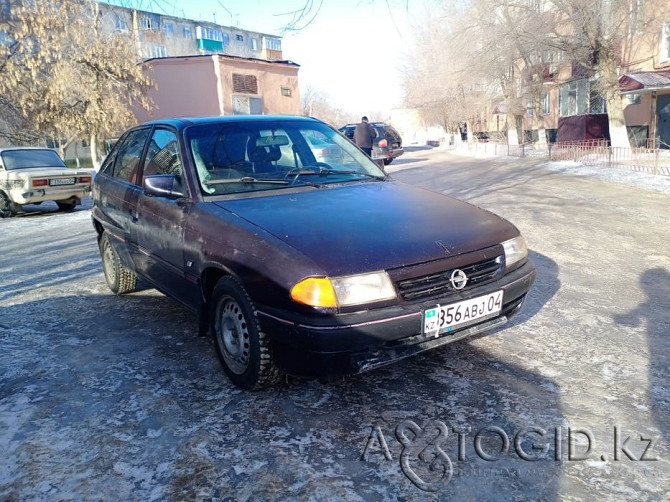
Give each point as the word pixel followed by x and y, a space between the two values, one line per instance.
pixel 353 228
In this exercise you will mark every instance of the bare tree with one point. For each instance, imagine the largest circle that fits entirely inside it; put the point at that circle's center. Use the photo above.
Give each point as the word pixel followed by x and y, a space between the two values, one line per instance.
pixel 65 77
pixel 511 44
pixel 317 104
pixel 447 76
pixel 588 34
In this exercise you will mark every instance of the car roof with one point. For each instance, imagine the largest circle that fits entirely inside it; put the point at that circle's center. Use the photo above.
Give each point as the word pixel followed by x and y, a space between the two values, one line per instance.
pixel 10 148
pixel 182 122
pixel 376 124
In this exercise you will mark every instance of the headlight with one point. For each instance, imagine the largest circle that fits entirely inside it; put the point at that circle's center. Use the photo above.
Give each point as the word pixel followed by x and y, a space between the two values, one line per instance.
pixel 344 291
pixel 516 252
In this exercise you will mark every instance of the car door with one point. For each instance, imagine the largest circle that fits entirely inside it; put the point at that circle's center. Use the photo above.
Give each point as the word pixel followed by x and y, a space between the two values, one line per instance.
pixel 117 191
pixel 158 225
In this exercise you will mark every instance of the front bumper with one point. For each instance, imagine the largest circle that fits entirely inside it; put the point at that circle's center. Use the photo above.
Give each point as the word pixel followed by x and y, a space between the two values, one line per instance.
pixel 352 343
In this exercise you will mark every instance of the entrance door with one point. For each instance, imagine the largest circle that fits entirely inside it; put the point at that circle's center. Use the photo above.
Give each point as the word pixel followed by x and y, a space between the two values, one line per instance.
pixel 663 122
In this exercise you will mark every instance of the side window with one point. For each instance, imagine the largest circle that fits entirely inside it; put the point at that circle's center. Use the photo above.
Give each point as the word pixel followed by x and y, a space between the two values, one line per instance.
pixel 162 154
pixel 107 166
pixel 126 165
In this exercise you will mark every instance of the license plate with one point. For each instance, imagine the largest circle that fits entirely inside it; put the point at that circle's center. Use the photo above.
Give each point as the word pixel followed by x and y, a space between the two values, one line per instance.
pixel 443 319
pixel 61 181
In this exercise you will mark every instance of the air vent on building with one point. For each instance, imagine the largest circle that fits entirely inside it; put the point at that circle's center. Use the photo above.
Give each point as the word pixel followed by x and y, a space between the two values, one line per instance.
pixel 247 84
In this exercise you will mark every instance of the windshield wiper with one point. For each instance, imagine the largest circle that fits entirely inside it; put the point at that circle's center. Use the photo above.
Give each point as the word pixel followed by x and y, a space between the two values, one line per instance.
pixel 323 171
pixel 246 179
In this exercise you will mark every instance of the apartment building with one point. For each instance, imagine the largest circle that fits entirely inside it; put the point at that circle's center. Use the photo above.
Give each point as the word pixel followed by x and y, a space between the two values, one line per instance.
pixel 159 35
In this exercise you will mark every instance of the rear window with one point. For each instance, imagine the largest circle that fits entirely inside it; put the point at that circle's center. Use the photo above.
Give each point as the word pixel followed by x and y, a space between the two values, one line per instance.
pixel 25 159
pixel 387 131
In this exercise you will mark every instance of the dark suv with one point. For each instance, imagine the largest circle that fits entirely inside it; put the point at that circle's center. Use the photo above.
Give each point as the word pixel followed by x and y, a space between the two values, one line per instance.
pixel 387 145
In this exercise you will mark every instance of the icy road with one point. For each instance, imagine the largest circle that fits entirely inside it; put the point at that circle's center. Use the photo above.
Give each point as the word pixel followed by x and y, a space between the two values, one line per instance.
pixel 117 398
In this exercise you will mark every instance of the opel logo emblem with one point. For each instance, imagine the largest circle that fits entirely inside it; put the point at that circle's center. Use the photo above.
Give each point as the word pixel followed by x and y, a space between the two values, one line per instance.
pixel 458 279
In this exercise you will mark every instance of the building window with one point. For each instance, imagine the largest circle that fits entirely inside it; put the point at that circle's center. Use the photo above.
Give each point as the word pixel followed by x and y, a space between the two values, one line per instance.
pixel 120 22
pixel 529 108
pixel 4 9
pixel 254 44
pixel 239 38
pixel 545 103
pixel 633 99
pixel 187 32
pixel 596 103
pixel 247 84
pixel 286 91
pixel 156 51
pixel 212 34
pixel 168 28
pixel 54 143
pixel 665 42
pixel 635 17
pixel 274 44
pixel 573 98
pixel 150 23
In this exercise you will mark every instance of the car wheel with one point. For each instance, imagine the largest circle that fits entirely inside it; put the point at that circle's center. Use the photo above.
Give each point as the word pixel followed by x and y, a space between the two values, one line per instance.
pixel 66 206
pixel 387 161
pixel 242 347
pixel 119 279
pixel 6 210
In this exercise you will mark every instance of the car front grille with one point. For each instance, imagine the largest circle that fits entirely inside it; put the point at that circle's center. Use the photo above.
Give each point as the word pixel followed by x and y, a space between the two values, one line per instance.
pixel 438 284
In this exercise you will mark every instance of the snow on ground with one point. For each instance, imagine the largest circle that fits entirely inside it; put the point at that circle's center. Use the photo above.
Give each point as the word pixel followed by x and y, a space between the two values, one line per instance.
pixel 646 181
pixel 116 397
pixel 658 183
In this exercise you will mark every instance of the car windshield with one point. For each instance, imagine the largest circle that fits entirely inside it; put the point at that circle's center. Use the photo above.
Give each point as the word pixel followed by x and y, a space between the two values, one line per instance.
pixel 25 159
pixel 251 156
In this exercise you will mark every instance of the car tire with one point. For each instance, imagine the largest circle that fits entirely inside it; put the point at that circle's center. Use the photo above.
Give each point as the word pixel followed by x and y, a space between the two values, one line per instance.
pixel 66 206
pixel 387 161
pixel 6 210
pixel 119 279
pixel 243 349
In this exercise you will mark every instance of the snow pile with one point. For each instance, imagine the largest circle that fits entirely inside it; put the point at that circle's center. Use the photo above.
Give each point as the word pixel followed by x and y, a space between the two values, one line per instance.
pixel 637 179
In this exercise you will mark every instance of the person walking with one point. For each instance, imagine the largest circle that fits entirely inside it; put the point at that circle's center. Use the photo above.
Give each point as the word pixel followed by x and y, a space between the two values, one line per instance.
pixel 363 136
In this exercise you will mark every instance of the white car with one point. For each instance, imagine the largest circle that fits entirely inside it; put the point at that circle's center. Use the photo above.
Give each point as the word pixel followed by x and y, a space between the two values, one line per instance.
pixel 32 175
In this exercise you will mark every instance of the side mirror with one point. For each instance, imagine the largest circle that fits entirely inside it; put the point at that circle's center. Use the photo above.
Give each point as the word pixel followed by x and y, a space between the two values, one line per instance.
pixel 163 185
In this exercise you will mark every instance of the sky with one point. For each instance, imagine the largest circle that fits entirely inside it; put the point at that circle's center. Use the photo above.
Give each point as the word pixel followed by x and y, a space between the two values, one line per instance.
pixel 350 50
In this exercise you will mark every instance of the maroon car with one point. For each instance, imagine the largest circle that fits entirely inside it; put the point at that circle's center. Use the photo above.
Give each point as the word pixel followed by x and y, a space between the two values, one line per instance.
pixel 294 264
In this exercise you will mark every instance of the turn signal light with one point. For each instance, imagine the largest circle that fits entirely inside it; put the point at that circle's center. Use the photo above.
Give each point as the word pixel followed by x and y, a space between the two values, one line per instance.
pixel 315 291
pixel 84 179
pixel 40 183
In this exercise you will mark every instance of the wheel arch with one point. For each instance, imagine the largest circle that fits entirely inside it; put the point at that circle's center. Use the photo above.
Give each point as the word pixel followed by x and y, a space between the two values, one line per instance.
pixel 99 229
